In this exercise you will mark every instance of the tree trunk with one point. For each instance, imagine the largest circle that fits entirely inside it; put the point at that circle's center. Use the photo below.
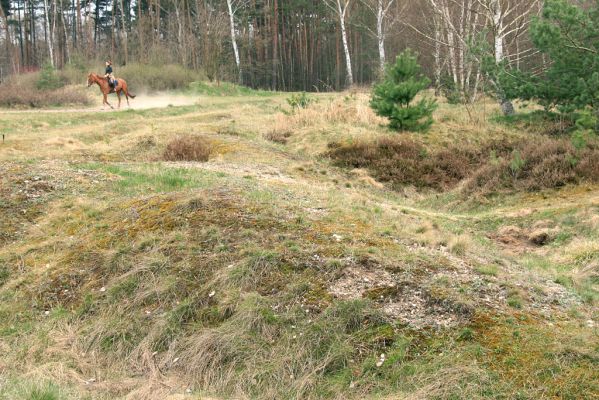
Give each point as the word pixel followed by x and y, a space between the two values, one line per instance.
pixel 234 39
pixel 124 33
pixel 380 34
pixel 66 34
pixel 51 33
pixel 275 46
pixel 506 105
pixel 342 11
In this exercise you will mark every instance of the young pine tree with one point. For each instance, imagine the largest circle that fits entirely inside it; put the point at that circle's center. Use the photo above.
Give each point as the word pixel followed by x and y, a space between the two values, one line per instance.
pixel 393 97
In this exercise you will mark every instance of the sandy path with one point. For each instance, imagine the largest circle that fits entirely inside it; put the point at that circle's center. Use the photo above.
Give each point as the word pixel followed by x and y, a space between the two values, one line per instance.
pixel 141 102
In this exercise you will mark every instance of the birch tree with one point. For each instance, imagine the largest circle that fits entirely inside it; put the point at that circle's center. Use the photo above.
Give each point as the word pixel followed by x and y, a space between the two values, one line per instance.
pixel 384 22
pixel 50 31
pixel 456 25
pixel 507 19
pixel 233 6
pixel 340 8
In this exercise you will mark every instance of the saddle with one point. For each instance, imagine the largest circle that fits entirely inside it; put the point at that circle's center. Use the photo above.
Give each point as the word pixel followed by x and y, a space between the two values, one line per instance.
pixel 113 85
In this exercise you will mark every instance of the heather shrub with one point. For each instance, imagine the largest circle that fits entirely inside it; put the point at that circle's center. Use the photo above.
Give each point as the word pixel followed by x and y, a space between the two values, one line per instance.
pixel 529 165
pixel 402 161
pixel 187 148
pixel 537 164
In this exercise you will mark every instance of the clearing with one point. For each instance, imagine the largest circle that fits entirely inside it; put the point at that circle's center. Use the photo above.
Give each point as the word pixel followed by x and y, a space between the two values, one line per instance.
pixel 267 272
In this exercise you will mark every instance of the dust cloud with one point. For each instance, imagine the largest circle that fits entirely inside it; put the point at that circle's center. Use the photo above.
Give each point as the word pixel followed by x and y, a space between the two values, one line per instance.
pixel 155 100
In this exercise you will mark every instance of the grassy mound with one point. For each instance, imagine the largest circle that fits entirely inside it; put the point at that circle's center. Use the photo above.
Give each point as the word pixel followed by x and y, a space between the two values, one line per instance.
pixel 187 148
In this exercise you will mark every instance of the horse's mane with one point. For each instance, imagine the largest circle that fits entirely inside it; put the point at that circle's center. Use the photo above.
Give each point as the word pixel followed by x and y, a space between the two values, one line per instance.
pixel 98 76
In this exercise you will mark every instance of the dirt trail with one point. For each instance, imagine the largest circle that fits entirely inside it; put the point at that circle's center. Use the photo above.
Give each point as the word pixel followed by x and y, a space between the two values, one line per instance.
pixel 141 102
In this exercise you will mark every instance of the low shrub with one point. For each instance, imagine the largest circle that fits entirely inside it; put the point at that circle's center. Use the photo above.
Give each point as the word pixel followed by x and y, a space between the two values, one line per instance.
pixel 280 136
pixel 299 100
pixel 402 161
pixel 535 165
pixel 49 79
pixel 187 148
pixel 21 92
pixel 525 165
pixel 157 77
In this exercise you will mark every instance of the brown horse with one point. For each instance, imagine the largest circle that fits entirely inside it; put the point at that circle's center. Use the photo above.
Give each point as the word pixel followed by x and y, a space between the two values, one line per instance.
pixel 121 88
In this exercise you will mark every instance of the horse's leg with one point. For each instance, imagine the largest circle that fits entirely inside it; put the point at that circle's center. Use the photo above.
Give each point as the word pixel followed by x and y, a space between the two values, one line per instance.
pixel 106 101
pixel 118 94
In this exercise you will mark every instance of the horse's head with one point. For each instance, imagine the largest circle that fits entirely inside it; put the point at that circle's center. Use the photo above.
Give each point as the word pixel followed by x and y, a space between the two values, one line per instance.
pixel 91 78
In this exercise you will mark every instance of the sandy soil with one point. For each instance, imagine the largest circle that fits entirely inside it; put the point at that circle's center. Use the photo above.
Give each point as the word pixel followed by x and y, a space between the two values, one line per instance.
pixel 142 101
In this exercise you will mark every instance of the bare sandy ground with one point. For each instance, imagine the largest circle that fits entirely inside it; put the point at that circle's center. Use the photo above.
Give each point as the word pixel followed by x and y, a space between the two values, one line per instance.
pixel 142 101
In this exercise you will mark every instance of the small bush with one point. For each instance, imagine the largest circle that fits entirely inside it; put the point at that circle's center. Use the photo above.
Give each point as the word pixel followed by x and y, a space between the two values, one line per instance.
pixel 48 79
pixel 4 274
pixel 187 148
pixel 537 164
pixel 299 100
pixel 278 136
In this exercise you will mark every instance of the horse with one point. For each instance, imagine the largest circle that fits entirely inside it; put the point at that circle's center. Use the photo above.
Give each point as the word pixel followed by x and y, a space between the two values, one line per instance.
pixel 105 88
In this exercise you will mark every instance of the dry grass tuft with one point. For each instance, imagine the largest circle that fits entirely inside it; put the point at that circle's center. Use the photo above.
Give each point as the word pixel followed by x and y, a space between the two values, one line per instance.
pixel 341 110
pixel 278 135
pixel 188 148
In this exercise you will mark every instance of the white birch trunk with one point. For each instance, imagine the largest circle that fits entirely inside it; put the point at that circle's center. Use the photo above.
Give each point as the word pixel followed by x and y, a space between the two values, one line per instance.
pixel 342 11
pixel 498 27
pixel 234 39
pixel 437 56
pixel 50 33
pixel 380 34
pixel 506 105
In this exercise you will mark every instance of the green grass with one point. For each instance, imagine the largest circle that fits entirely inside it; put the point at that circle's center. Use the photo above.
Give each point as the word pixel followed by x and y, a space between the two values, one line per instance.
pixel 156 178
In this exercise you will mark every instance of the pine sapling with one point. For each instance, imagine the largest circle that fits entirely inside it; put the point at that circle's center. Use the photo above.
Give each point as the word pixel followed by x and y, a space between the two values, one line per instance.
pixel 393 97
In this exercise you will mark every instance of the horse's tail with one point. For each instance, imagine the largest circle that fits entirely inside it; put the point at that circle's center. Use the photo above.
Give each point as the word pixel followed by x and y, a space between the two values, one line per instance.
pixel 126 89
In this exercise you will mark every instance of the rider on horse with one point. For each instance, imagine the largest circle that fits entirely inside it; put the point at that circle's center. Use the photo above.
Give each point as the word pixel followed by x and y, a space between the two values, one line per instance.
pixel 109 74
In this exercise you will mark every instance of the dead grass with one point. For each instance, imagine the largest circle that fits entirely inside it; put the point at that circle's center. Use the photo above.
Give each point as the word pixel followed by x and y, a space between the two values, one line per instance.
pixel 188 148
pixel 21 92
pixel 350 110
pixel 278 135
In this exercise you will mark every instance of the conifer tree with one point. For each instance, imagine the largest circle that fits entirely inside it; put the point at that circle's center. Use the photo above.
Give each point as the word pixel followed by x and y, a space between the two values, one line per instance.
pixel 393 97
pixel 568 35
